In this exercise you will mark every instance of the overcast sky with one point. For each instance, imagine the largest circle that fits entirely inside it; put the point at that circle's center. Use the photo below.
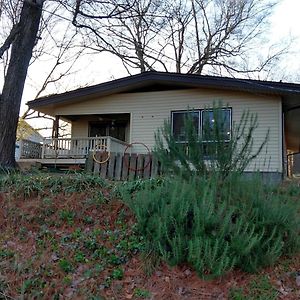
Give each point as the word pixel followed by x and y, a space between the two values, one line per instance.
pixel 285 23
pixel 285 19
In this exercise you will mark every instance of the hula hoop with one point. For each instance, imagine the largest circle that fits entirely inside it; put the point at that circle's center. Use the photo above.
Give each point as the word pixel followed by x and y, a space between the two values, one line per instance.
pixel 94 155
pixel 136 169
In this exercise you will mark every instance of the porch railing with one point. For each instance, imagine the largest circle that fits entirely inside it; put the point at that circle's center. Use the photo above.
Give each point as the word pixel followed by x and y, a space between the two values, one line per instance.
pixel 79 147
pixel 30 149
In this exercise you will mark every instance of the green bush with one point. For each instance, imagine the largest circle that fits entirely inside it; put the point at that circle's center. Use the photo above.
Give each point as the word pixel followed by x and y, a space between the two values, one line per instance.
pixel 216 226
pixel 206 213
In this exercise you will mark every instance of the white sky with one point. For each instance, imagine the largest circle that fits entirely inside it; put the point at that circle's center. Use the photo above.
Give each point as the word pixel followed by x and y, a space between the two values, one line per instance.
pixel 285 23
pixel 104 67
pixel 285 19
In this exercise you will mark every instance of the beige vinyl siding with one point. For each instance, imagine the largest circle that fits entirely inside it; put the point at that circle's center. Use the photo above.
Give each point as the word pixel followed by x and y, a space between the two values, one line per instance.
pixel 150 109
pixel 80 128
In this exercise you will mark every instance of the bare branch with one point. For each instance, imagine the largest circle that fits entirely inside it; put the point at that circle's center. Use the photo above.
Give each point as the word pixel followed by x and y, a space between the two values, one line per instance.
pixel 13 33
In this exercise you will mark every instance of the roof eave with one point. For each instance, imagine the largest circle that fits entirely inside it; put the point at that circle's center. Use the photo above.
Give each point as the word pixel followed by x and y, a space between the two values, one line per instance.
pixel 142 80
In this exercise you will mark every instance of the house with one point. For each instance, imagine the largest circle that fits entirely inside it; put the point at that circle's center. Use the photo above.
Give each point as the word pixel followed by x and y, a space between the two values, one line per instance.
pixel 29 141
pixel 130 109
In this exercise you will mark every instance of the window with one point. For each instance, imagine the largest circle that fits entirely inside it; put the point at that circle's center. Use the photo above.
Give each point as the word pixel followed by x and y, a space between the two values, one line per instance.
pixel 178 121
pixel 203 121
pixel 223 119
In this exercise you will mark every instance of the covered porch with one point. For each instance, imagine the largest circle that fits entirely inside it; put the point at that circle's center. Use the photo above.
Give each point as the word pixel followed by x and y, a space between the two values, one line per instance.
pixel 89 134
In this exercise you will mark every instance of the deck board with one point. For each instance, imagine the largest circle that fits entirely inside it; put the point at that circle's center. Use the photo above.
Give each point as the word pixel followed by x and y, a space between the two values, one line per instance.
pixel 56 161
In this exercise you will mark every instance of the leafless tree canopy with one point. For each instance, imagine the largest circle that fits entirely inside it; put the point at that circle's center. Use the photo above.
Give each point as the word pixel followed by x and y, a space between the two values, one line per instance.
pixel 192 36
pixel 25 23
pixel 56 52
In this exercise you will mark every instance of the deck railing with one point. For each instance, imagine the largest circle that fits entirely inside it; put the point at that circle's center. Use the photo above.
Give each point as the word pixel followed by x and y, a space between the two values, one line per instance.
pixel 30 149
pixel 80 147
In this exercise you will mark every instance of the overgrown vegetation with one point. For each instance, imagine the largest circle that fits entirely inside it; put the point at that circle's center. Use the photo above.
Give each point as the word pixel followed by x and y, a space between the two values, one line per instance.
pixel 65 240
pixel 207 214
pixel 216 228
pixel 68 235
pixel 39 183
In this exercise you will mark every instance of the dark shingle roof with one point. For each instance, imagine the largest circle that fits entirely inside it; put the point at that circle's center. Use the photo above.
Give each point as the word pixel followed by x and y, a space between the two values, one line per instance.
pixel 146 80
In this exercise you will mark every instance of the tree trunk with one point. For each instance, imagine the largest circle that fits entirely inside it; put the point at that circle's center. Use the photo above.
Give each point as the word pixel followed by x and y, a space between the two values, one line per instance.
pixel 10 100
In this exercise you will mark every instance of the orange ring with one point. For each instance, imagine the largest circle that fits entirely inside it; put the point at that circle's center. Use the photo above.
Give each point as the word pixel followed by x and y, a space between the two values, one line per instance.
pixel 135 169
pixel 94 153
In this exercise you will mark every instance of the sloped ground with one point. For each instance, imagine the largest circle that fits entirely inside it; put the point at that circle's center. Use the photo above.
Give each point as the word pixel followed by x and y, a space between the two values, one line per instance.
pixel 64 240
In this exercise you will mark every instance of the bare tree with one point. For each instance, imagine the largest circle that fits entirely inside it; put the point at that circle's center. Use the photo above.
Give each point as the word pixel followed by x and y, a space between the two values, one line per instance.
pixel 22 43
pixel 195 36
pixel 229 28
pixel 28 23
pixel 62 56
pixel 52 48
pixel 61 48
pixel 192 36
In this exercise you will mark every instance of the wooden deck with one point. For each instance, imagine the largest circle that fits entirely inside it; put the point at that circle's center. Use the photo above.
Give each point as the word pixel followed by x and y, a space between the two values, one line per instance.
pixel 104 156
pixel 54 161
pixel 67 151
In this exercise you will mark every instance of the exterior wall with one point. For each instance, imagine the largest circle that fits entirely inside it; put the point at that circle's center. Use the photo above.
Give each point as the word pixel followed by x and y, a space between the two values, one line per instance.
pixel 80 128
pixel 150 109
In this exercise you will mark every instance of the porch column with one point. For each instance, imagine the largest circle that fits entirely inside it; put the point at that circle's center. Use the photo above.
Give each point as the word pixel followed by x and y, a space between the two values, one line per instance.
pixel 55 128
pixel 55 132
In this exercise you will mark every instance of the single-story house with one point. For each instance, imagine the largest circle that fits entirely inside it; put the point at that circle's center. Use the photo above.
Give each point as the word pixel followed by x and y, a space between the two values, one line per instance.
pixel 131 109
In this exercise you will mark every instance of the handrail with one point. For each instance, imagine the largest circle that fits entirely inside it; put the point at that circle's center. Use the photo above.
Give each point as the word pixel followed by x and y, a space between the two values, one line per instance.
pixel 87 138
pixel 75 147
pixel 30 149
pixel 79 138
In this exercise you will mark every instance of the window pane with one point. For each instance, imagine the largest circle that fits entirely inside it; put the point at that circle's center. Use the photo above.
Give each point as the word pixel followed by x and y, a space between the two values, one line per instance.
pixel 217 121
pixel 179 119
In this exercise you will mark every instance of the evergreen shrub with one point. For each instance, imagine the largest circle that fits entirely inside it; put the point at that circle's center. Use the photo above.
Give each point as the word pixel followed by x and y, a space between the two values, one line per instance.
pixel 215 226
pixel 206 213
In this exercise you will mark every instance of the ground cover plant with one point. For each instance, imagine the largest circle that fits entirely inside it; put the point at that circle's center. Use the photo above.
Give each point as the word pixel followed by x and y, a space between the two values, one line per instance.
pixel 62 236
pixel 69 237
